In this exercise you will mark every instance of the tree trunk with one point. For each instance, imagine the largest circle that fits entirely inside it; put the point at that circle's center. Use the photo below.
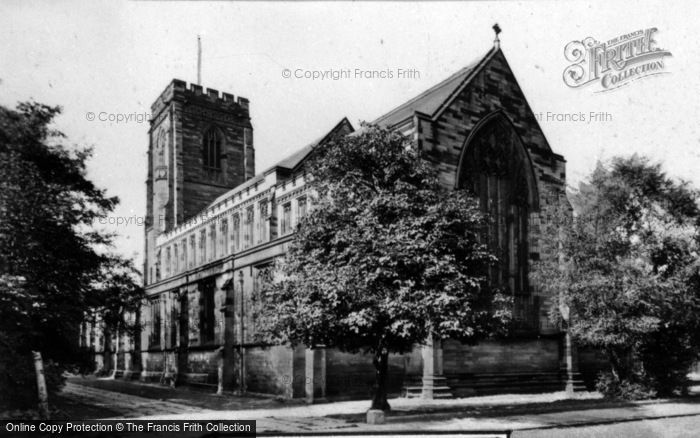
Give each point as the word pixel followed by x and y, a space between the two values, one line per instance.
pixel 381 365
pixel 107 349
pixel 620 365
pixel 41 385
pixel 117 348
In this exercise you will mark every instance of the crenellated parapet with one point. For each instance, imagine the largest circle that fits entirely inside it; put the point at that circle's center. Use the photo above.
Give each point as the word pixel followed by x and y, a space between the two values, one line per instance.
pixel 179 90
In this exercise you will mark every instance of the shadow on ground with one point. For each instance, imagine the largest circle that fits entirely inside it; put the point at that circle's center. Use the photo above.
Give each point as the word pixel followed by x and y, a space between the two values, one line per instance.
pixel 507 410
pixel 185 395
pixel 67 408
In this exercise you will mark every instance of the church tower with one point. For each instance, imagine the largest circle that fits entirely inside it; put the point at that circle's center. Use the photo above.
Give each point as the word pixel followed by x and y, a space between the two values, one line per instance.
pixel 200 146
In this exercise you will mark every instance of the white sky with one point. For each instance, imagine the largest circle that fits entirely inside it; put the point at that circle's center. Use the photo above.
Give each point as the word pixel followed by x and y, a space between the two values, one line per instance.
pixel 116 57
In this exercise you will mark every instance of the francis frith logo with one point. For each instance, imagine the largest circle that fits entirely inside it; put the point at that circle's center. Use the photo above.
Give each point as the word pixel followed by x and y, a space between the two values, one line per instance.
pixel 616 62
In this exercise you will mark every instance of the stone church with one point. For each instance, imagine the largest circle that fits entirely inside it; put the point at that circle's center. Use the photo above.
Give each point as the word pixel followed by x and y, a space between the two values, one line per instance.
pixel 215 225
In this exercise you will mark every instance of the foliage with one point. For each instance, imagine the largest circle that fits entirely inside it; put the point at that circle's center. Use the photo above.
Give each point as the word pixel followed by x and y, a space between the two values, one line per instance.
pixel 629 273
pixel 387 258
pixel 611 387
pixel 18 379
pixel 117 296
pixel 51 267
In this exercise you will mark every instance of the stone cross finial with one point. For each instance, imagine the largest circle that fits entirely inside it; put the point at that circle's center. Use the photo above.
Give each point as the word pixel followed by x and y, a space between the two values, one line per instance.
pixel 497 29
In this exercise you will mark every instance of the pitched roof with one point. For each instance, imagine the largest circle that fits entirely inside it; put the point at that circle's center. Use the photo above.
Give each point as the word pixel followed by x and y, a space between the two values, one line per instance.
pixel 430 101
pixel 292 161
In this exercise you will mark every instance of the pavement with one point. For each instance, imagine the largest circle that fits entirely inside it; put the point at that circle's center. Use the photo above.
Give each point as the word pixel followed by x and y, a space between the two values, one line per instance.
pixel 523 413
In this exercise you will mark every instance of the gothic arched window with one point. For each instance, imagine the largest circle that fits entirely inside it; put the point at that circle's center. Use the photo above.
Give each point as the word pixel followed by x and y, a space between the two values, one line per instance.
pixel 236 236
pixel 212 149
pixel 160 148
pixel 496 167
pixel 160 160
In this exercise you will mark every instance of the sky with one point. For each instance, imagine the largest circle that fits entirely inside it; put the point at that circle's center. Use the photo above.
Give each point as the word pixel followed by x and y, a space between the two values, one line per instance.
pixel 112 58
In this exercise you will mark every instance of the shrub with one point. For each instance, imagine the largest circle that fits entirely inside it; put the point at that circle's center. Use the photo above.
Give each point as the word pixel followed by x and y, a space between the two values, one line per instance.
pixel 18 381
pixel 612 387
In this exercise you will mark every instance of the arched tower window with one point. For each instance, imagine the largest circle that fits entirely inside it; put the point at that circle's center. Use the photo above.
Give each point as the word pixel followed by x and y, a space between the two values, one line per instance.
pixel 497 168
pixel 160 161
pixel 160 147
pixel 212 149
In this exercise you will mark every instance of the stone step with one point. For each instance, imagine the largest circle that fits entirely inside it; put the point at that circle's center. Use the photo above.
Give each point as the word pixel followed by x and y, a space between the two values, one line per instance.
pixel 417 391
pixel 497 381
pixel 466 392
pixel 494 383
pixel 435 389
pixel 578 385
pixel 420 394
pixel 517 374
pixel 504 378
pixel 505 383
pixel 416 380
pixel 577 380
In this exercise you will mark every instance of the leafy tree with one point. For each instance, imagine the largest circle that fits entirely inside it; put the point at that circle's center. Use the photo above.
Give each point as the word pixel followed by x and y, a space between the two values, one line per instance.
pixel 629 273
pixel 51 262
pixel 115 302
pixel 387 258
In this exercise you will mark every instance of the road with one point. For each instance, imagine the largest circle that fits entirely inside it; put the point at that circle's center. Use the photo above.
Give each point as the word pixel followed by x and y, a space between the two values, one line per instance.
pixel 680 427
pixel 673 419
pixel 99 403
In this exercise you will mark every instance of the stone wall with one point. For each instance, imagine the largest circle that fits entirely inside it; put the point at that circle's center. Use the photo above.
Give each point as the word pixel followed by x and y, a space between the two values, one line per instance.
pixel 274 370
pixel 351 375
pixel 516 356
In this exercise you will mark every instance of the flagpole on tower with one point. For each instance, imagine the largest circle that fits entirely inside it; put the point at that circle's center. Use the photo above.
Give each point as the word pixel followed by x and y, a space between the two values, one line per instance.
pixel 199 60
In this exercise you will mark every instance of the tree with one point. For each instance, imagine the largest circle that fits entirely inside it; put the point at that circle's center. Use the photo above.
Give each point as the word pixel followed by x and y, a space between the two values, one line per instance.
pixel 115 301
pixel 629 274
pixel 387 258
pixel 51 259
